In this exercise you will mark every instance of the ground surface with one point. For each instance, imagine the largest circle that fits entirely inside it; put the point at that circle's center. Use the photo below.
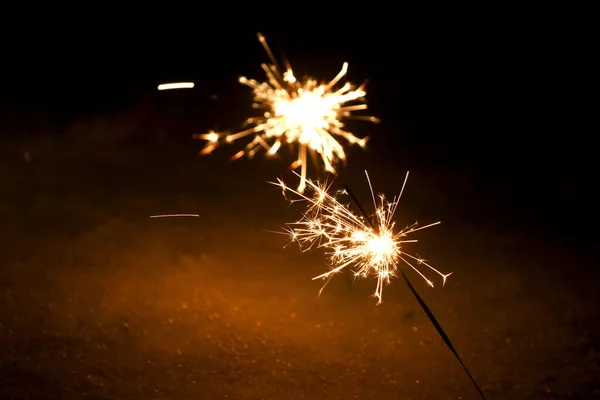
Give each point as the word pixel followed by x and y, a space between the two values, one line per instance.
pixel 98 301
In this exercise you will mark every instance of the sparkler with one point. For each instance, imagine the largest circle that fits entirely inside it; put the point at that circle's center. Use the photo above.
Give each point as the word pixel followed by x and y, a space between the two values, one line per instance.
pixel 308 114
pixel 370 247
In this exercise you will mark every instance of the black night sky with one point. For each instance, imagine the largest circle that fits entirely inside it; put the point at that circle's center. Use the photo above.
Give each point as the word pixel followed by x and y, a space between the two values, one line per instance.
pixel 490 105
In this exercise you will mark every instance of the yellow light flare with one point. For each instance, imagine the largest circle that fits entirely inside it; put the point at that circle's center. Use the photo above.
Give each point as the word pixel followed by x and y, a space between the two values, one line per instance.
pixel 369 248
pixel 177 85
pixel 308 114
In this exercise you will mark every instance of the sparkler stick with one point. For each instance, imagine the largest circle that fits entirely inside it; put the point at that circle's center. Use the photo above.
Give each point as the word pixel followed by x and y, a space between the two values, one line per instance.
pixel 307 114
pixel 424 306
pixel 362 210
pixel 367 242
pixel 441 331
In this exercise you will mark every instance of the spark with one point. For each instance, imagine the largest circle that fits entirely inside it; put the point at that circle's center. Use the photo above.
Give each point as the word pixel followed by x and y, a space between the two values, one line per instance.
pixel 305 113
pixel 174 215
pixel 178 85
pixel 370 247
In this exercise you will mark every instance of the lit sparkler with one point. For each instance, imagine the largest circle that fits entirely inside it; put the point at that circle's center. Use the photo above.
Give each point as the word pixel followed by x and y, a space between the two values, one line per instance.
pixel 308 114
pixel 371 248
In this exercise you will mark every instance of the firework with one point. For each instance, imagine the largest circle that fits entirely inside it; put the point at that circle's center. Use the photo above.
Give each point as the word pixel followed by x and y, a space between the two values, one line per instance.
pixel 370 247
pixel 307 114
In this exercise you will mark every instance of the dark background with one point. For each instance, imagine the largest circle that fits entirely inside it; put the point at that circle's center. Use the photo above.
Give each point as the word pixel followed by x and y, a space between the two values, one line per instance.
pixel 488 106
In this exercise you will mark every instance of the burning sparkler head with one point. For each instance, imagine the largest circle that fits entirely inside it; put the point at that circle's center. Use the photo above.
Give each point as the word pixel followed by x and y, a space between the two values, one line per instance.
pixel 369 246
pixel 307 114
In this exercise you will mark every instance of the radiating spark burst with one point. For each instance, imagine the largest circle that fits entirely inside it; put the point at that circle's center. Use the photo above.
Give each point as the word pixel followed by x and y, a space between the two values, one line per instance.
pixel 308 114
pixel 369 248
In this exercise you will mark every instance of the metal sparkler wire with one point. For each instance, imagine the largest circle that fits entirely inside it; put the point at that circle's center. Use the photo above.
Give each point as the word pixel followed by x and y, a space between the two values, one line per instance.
pixel 422 303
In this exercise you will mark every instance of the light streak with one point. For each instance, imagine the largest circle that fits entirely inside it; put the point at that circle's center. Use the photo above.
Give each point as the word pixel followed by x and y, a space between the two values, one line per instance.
pixel 177 85
pixel 173 215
